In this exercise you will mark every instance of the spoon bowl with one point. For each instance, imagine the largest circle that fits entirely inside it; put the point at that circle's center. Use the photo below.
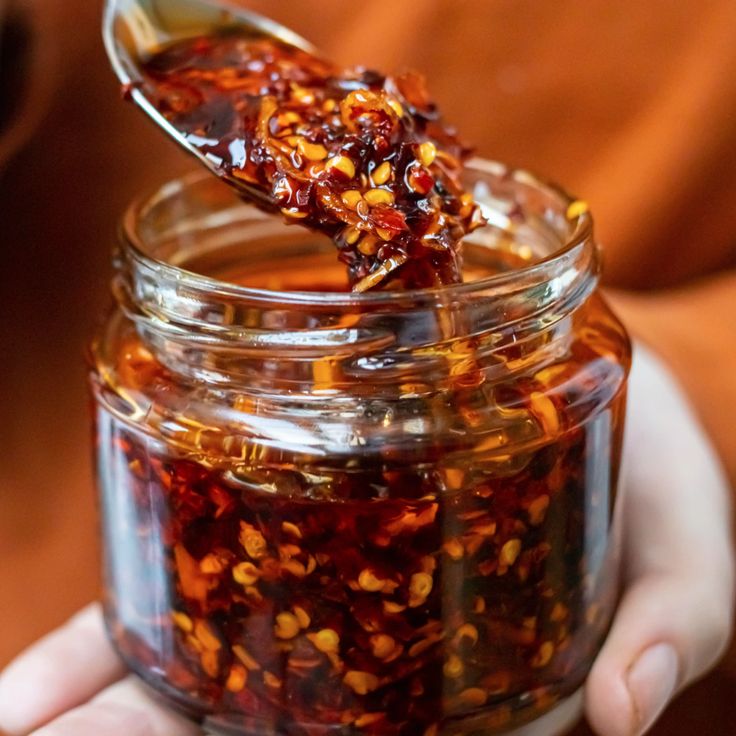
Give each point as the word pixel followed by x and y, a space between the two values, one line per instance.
pixel 134 30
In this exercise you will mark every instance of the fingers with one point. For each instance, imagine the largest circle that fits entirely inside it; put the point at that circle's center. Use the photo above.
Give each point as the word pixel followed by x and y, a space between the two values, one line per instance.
pixel 649 654
pixel 675 616
pixel 59 672
pixel 50 686
pixel 124 709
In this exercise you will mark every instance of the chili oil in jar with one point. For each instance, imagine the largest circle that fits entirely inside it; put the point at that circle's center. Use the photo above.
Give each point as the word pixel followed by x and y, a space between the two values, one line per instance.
pixel 337 513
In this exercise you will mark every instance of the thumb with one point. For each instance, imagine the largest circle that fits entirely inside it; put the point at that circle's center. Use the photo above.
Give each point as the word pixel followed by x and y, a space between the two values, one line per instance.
pixel 674 618
pixel 665 635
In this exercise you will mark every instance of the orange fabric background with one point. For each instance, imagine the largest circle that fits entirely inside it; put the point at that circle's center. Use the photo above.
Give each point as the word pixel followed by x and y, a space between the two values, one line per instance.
pixel 630 105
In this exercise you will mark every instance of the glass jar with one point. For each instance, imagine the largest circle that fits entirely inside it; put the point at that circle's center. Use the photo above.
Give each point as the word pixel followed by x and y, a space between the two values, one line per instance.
pixel 385 513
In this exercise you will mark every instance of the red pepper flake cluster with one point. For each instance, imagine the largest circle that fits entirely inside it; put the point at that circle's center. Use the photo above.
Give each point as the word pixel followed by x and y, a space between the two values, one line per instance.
pixel 376 596
pixel 362 157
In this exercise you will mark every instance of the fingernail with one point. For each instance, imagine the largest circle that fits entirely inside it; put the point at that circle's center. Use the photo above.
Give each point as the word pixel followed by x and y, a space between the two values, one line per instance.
pixel 651 682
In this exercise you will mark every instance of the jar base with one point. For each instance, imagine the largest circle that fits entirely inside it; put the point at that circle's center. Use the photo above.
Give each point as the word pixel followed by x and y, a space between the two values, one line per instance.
pixel 556 722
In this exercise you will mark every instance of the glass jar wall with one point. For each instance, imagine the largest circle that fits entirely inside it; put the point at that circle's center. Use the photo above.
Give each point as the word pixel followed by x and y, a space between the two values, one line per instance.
pixel 386 513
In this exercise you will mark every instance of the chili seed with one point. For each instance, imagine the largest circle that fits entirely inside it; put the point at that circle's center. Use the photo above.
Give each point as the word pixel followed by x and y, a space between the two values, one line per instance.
pixel 420 587
pixel 392 607
pixel 545 411
pixel 509 552
pixel 544 655
pixel 246 573
pixel 576 208
pixel 473 697
pixel 271 680
pixel 381 174
pixel 287 625
pixel 368 246
pixel 237 678
pixel 206 636
pixel 453 667
pixel 369 582
pixel 453 549
pixel 395 105
pixel 368 719
pixel 538 509
pixel 210 662
pixel 295 567
pixel 352 235
pixel 211 565
pixel 242 654
pixel 424 644
pixel 342 164
pixel 312 151
pixel 378 196
pixel 293 212
pixel 288 528
pixel 427 153
pixel 351 198
pixel 382 645
pixel 361 683
pixel 326 640
pixel 466 632
pixel 253 541
pixel 183 621
pixel 302 617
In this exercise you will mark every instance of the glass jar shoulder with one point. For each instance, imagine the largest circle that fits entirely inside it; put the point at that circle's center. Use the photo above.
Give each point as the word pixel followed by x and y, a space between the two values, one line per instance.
pixel 585 371
pixel 523 395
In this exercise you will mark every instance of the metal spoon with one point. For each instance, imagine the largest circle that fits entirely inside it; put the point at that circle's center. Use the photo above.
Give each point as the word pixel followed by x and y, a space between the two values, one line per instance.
pixel 134 30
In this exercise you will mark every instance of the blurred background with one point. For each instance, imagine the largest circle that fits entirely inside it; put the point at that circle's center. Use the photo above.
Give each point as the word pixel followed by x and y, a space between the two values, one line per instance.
pixel 632 106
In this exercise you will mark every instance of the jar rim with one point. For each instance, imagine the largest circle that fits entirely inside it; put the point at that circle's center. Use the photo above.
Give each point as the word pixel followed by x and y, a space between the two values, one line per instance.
pixel 580 236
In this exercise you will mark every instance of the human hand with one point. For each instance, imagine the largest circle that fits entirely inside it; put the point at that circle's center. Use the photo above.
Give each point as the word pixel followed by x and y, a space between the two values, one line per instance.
pixel 675 616
pixel 71 683
pixel 672 624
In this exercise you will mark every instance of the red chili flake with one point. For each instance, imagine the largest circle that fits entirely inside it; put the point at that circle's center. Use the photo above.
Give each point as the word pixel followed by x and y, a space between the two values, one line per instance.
pixel 303 132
